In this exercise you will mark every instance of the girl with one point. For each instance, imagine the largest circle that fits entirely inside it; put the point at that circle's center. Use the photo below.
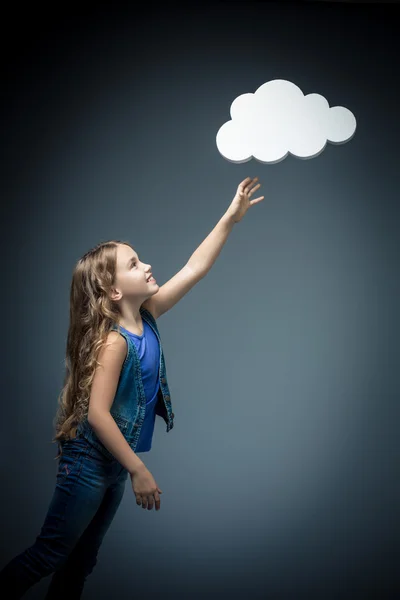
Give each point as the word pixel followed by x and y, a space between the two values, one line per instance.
pixel 115 384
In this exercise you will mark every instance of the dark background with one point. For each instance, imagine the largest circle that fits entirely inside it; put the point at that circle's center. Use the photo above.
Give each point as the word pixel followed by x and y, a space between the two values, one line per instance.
pixel 281 475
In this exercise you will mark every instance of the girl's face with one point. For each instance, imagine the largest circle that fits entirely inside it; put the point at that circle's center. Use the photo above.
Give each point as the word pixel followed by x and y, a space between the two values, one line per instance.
pixel 132 275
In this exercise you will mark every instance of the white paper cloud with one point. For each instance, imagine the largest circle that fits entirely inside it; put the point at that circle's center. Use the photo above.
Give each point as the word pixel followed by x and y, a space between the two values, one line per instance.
pixel 277 119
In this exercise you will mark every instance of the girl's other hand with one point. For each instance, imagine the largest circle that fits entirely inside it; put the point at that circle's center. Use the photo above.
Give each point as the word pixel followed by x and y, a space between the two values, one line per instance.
pixel 145 489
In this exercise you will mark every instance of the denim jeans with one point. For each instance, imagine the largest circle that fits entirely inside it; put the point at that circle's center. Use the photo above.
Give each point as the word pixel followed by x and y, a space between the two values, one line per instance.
pixel 89 489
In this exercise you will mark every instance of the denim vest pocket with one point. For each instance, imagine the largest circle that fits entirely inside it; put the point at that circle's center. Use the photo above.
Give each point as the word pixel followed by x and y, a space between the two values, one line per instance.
pixel 125 426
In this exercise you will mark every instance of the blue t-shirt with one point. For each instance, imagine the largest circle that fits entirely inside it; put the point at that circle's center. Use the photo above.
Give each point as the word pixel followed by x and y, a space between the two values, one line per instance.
pixel 148 350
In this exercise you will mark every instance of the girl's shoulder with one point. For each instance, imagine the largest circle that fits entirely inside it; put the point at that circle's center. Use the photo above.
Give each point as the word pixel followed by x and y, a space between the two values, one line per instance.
pixel 116 339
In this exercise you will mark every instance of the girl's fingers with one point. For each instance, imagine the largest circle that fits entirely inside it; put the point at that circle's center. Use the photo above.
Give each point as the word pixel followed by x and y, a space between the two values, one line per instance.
pixel 244 184
pixel 247 182
pixel 252 181
pixel 254 189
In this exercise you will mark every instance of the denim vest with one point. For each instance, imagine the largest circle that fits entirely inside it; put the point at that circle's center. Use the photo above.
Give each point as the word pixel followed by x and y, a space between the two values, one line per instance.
pixel 129 405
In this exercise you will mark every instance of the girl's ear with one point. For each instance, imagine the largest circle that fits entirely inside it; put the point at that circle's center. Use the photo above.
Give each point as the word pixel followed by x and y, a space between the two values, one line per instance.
pixel 115 294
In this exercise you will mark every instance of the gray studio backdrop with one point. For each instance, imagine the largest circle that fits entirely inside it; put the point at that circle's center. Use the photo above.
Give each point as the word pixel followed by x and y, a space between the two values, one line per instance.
pixel 280 477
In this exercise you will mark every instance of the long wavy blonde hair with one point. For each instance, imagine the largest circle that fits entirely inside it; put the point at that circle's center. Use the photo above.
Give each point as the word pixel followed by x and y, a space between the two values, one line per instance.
pixel 92 313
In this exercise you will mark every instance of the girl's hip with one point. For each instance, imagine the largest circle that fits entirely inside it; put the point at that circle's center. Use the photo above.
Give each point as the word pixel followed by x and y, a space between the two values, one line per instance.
pixel 81 462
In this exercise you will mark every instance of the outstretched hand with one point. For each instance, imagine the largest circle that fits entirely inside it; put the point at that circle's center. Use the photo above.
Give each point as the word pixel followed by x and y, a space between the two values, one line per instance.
pixel 241 202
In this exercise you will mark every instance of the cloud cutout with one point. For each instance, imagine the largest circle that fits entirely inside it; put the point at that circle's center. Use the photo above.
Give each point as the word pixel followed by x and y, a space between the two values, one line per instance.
pixel 279 119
